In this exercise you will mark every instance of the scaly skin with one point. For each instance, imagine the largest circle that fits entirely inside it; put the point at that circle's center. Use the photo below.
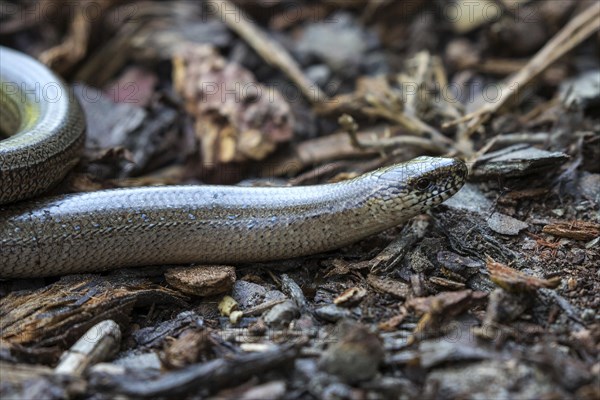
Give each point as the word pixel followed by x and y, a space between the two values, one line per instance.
pixel 96 231
pixel 47 124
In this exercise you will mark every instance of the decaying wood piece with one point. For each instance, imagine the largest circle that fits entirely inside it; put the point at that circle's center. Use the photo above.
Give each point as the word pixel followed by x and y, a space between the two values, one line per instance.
pixel 578 230
pixel 572 34
pixel 376 97
pixel 100 342
pixel 517 161
pixel 205 280
pixel 197 378
pixel 59 314
pixel 513 280
pixel 435 310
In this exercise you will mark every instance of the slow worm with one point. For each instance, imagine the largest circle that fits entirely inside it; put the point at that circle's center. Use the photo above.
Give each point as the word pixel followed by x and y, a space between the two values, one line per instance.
pixel 107 229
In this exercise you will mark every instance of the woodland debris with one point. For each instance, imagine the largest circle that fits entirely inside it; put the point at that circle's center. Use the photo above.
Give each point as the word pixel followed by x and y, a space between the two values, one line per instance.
pixel 456 266
pixel 110 123
pixel 503 307
pixel 512 280
pixel 511 198
pixel 390 286
pixel 292 289
pixel 355 355
pixel 437 309
pixel 332 313
pixel 589 184
pixel 22 381
pixel 267 48
pixel 250 294
pixel 577 230
pixel 376 97
pixel 101 342
pixel 448 303
pixel 227 305
pixel 446 284
pixel 340 41
pixel 572 34
pixel 40 318
pixel 261 308
pixel 173 24
pixel 205 280
pixel 191 347
pixel 393 254
pixel 583 90
pixel 350 297
pixel 516 161
pixel 280 316
pixel 392 323
pixel 322 150
pixel 437 352
pixel 148 362
pixel 154 336
pixel 407 84
pixel 269 390
pixel 506 225
pixel 134 86
pixel 236 117
pixel 473 212
pixel 208 377
pixel 129 135
pixel 74 47
pixel 470 16
pixel 488 379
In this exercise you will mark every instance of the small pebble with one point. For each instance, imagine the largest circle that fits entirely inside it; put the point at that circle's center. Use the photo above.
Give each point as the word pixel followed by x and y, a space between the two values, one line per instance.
pixel 248 294
pixel 332 313
pixel 588 314
pixel 280 316
pixel 356 356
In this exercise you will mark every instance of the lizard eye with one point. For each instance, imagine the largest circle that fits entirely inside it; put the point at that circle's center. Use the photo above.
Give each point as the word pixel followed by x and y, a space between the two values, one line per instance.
pixel 423 184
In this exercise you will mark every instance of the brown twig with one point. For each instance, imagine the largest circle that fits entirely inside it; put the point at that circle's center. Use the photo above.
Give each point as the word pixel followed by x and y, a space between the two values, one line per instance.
pixel 572 34
pixel 209 377
pixel 268 49
pixel 351 127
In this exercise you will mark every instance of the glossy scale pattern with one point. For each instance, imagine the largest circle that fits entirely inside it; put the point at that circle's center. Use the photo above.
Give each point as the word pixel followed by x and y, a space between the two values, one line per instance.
pixel 107 229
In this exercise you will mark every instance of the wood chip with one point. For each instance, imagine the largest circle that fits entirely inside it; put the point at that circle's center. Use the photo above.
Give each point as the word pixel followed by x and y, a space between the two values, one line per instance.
pixel 59 314
pixel 448 303
pixel 512 280
pixel 99 343
pixel 446 283
pixel 205 280
pixel 350 297
pixel 440 308
pixel 577 230
pixel 516 161
pixel 392 323
pixel 389 286
pixel 191 347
